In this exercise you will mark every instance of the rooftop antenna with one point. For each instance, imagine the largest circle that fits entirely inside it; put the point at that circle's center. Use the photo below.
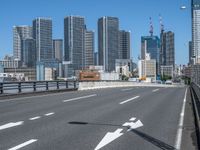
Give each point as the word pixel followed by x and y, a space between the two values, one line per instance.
pixel 151 27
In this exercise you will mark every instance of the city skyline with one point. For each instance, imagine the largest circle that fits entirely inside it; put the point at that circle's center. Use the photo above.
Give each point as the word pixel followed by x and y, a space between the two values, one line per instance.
pixel 137 23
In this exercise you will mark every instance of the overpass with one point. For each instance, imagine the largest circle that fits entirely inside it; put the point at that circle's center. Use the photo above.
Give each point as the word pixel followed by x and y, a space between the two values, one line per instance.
pixel 137 117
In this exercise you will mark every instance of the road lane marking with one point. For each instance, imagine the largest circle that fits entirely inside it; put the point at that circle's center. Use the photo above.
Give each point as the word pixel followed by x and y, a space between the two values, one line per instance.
pixel 128 100
pixel 23 144
pixel 180 125
pixel 35 118
pixel 126 89
pixel 155 90
pixel 49 114
pixel 11 124
pixel 77 98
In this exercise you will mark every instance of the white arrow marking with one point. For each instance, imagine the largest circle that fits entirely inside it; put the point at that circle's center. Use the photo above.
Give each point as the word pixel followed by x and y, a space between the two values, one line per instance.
pixel 132 119
pixel 11 124
pixel 109 137
pixel 133 125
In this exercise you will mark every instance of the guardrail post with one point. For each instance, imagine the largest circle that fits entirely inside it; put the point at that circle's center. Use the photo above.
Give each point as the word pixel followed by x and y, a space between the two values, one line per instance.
pixel 19 87
pixel 57 84
pixel 66 84
pixel 34 86
pixel 47 85
pixel 1 88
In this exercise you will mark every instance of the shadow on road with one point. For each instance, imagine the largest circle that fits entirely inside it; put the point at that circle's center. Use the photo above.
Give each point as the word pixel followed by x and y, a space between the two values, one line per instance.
pixel 89 123
pixel 162 145
pixel 154 141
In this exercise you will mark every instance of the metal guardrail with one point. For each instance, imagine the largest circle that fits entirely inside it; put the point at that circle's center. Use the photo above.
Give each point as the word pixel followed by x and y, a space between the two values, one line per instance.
pixel 36 86
pixel 195 93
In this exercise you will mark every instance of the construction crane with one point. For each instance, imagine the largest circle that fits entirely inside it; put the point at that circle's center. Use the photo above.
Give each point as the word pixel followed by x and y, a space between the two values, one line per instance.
pixel 151 27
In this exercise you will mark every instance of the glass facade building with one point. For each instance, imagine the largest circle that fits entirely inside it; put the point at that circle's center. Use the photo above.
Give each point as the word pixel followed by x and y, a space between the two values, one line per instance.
pixel 167 52
pixel 124 45
pixel 74 29
pixel 196 29
pixel 42 33
pixel 29 52
pixel 151 45
pixel 108 42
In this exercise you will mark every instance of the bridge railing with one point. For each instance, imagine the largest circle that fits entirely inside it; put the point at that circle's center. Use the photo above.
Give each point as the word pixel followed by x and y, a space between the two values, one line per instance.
pixel 195 93
pixel 36 86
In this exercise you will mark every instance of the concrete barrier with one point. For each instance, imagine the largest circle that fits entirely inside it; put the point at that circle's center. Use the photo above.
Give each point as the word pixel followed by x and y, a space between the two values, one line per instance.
pixel 88 85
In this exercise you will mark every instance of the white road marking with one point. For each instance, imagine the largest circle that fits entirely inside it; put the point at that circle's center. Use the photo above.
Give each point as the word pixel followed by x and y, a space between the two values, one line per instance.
pixel 180 125
pixel 128 100
pixel 155 90
pixel 49 114
pixel 34 118
pixel 11 124
pixel 77 98
pixel 126 89
pixel 109 137
pixel 132 119
pixel 23 144
pixel 133 125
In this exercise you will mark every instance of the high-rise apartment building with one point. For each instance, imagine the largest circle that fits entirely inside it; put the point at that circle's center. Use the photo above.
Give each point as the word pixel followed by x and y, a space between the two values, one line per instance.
pixel 167 51
pixel 58 49
pixel 108 42
pixel 196 29
pixel 89 48
pixel 74 41
pixel 20 33
pixel 124 45
pixel 42 33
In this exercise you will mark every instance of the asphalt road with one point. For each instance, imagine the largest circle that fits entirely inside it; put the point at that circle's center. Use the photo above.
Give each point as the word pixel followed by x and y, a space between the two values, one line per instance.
pixel 132 118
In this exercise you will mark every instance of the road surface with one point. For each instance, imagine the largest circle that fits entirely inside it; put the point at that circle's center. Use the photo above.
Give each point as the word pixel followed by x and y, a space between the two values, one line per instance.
pixel 139 118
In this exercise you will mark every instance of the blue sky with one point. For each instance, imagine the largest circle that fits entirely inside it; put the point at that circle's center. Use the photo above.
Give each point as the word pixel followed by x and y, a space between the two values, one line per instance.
pixel 133 14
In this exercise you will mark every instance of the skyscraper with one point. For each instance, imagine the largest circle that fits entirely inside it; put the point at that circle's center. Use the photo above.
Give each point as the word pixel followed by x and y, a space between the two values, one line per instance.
pixel 58 49
pixel 124 45
pixel 108 42
pixel 42 33
pixel 29 52
pixel 196 29
pixel 167 53
pixel 191 53
pixel 89 48
pixel 151 45
pixel 20 33
pixel 74 29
